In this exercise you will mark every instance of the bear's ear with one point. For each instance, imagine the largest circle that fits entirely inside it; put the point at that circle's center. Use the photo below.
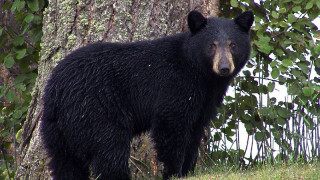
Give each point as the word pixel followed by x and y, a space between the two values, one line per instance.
pixel 245 20
pixel 196 21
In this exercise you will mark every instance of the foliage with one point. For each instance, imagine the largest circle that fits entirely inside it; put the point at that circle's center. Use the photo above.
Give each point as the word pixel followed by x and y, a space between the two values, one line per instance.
pixel 20 35
pixel 285 55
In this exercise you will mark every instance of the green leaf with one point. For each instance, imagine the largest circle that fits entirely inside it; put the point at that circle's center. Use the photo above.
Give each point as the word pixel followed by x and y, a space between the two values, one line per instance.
pixel 275 14
pixel 263 44
pixel 297 1
pixel 282 68
pixel 21 5
pixel 37 20
pixel 293 89
pixel 273 63
pixel 32 76
pixel 246 73
pixel 266 48
pixel 234 3
pixel 287 63
pixel 36 37
pixel 229 132
pixel 308 91
pixel 308 121
pixel 309 5
pixel 25 28
pixel 14 5
pixel 284 112
pixel 283 24
pixel 304 68
pixel 264 39
pixel 260 136
pixel 6 5
pixel 10 96
pixel 17 114
pixel 8 61
pixel 318 4
pixel 272 114
pixel 21 53
pixel 271 86
pixel 41 3
pixel 22 87
pixel 248 126
pixel 18 40
pixel 282 10
pixel 33 5
pixel 282 80
pixel 281 121
pixel 217 136
pixel 246 117
pixel 19 79
pixel 296 8
pixel 296 73
pixel 29 18
pixel 275 73
pixel 317 48
pixel 19 135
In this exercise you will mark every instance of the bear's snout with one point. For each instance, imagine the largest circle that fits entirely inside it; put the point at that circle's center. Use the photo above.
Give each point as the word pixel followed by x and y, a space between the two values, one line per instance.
pixel 224 69
pixel 222 61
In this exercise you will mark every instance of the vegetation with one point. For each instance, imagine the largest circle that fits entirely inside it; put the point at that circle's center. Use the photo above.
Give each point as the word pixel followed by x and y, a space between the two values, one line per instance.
pixel 282 127
pixel 20 35
pixel 292 171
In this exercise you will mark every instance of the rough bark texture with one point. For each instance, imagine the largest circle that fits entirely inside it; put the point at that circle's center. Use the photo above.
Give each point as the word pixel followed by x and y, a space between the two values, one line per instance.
pixel 69 24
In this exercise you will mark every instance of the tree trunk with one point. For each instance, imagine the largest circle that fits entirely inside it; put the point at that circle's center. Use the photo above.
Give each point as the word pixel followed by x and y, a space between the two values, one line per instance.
pixel 70 24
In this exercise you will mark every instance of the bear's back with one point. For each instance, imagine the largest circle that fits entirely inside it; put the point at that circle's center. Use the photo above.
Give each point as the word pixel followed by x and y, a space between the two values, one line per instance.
pixel 122 74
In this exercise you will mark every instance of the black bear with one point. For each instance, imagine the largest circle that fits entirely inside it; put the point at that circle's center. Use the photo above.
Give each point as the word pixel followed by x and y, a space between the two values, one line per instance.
pixel 100 96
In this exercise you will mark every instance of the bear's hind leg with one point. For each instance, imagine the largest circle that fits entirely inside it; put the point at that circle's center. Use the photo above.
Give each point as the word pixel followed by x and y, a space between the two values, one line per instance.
pixel 111 157
pixel 63 164
pixel 66 167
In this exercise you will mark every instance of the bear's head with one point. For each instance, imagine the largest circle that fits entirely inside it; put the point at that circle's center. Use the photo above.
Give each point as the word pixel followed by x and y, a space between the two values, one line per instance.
pixel 221 46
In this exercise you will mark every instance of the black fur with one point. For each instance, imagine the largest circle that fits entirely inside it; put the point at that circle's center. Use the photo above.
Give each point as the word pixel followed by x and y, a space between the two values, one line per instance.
pixel 196 21
pixel 245 20
pixel 100 96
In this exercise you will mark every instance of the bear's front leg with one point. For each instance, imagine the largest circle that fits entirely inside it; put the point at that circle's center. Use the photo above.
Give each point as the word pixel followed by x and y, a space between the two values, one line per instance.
pixel 191 153
pixel 171 138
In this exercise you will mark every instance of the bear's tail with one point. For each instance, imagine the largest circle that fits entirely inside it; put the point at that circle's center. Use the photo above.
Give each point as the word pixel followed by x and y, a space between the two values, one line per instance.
pixel 50 104
pixel 49 130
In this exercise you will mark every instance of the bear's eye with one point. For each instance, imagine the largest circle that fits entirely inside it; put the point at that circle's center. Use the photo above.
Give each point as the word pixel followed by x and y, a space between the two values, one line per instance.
pixel 232 45
pixel 212 47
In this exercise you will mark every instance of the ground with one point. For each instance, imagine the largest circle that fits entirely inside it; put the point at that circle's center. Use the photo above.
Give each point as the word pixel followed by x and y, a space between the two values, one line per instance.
pixel 284 171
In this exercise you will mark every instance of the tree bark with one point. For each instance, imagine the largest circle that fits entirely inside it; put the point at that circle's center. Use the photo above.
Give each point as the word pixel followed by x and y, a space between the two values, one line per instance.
pixel 70 24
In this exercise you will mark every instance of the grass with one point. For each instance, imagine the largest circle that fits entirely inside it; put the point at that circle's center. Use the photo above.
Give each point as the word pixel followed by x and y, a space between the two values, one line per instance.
pixel 283 172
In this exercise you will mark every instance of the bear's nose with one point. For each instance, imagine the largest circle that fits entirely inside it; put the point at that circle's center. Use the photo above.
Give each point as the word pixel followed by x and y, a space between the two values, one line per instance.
pixel 224 69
